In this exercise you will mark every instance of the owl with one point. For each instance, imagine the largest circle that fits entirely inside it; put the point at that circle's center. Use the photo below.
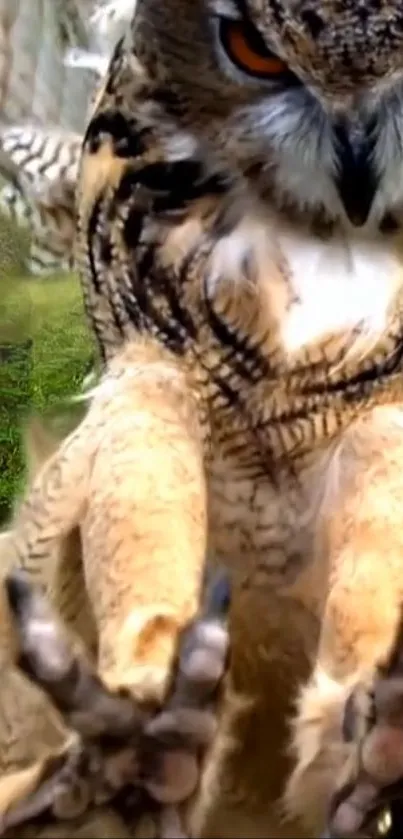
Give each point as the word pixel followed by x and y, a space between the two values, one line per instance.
pixel 239 210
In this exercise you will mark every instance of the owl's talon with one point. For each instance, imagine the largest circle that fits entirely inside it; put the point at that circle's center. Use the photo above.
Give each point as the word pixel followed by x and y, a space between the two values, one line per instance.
pixel 45 654
pixel 160 756
pixel 51 660
pixel 188 722
pixel 218 596
pixel 19 593
pixel 374 722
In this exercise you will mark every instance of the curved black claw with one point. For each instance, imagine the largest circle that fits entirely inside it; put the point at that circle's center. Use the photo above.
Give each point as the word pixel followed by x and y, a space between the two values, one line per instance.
pixel 19 593
pixel 218 596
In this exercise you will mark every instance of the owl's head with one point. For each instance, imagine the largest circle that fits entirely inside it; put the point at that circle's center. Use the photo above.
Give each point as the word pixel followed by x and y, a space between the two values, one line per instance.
pixel 303 97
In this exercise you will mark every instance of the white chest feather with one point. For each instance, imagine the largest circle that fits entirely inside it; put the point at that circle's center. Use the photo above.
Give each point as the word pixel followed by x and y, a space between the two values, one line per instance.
pixel 314 289
pixel 340 285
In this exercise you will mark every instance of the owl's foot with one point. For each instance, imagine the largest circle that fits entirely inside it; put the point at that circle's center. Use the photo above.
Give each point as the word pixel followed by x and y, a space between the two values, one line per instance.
pixel 182 732
pixel 374 721
pixel 119 751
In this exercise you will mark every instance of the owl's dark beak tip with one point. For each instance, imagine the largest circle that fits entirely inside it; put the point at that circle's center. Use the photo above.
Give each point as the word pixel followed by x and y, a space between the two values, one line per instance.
pixel 357 199
pixel 356 181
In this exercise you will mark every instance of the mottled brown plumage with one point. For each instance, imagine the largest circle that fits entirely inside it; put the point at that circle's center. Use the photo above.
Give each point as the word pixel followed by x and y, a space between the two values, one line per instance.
pixel 252 228
pixel 242 236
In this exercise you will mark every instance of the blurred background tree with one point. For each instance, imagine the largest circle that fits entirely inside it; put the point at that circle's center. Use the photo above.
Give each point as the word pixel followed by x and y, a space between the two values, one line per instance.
pixel 45 91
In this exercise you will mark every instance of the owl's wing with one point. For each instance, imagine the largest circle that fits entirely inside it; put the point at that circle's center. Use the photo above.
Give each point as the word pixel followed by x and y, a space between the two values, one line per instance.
pixel 43 160
pixel 40 166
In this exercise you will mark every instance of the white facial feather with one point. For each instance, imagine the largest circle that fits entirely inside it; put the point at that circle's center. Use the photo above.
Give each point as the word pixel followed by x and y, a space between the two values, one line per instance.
pixel 337 285
pixel 292 133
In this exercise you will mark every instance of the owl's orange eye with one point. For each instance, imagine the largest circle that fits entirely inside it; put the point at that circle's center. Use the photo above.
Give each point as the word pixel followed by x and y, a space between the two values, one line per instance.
pixel 246 49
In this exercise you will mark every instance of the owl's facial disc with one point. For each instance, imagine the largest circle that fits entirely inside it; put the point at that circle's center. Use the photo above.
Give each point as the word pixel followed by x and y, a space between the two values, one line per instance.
pixel 303 97
pixel 324 149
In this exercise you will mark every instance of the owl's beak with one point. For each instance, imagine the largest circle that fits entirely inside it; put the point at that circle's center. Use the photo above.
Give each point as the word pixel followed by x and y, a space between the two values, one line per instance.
pixel 356 181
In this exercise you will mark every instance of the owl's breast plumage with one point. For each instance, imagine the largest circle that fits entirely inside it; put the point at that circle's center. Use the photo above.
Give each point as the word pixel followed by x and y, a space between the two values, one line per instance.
pixel 290 334
pixel 289 337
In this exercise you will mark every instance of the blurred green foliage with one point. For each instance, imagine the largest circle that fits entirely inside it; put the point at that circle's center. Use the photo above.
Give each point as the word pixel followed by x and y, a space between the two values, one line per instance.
pixel 45 352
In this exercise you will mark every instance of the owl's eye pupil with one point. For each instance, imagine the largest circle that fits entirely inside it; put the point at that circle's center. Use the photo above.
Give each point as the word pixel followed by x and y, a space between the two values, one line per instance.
pixel 246 49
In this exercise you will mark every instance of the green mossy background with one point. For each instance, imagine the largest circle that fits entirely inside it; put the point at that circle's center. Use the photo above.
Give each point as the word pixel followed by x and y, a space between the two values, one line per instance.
pixel 45 352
